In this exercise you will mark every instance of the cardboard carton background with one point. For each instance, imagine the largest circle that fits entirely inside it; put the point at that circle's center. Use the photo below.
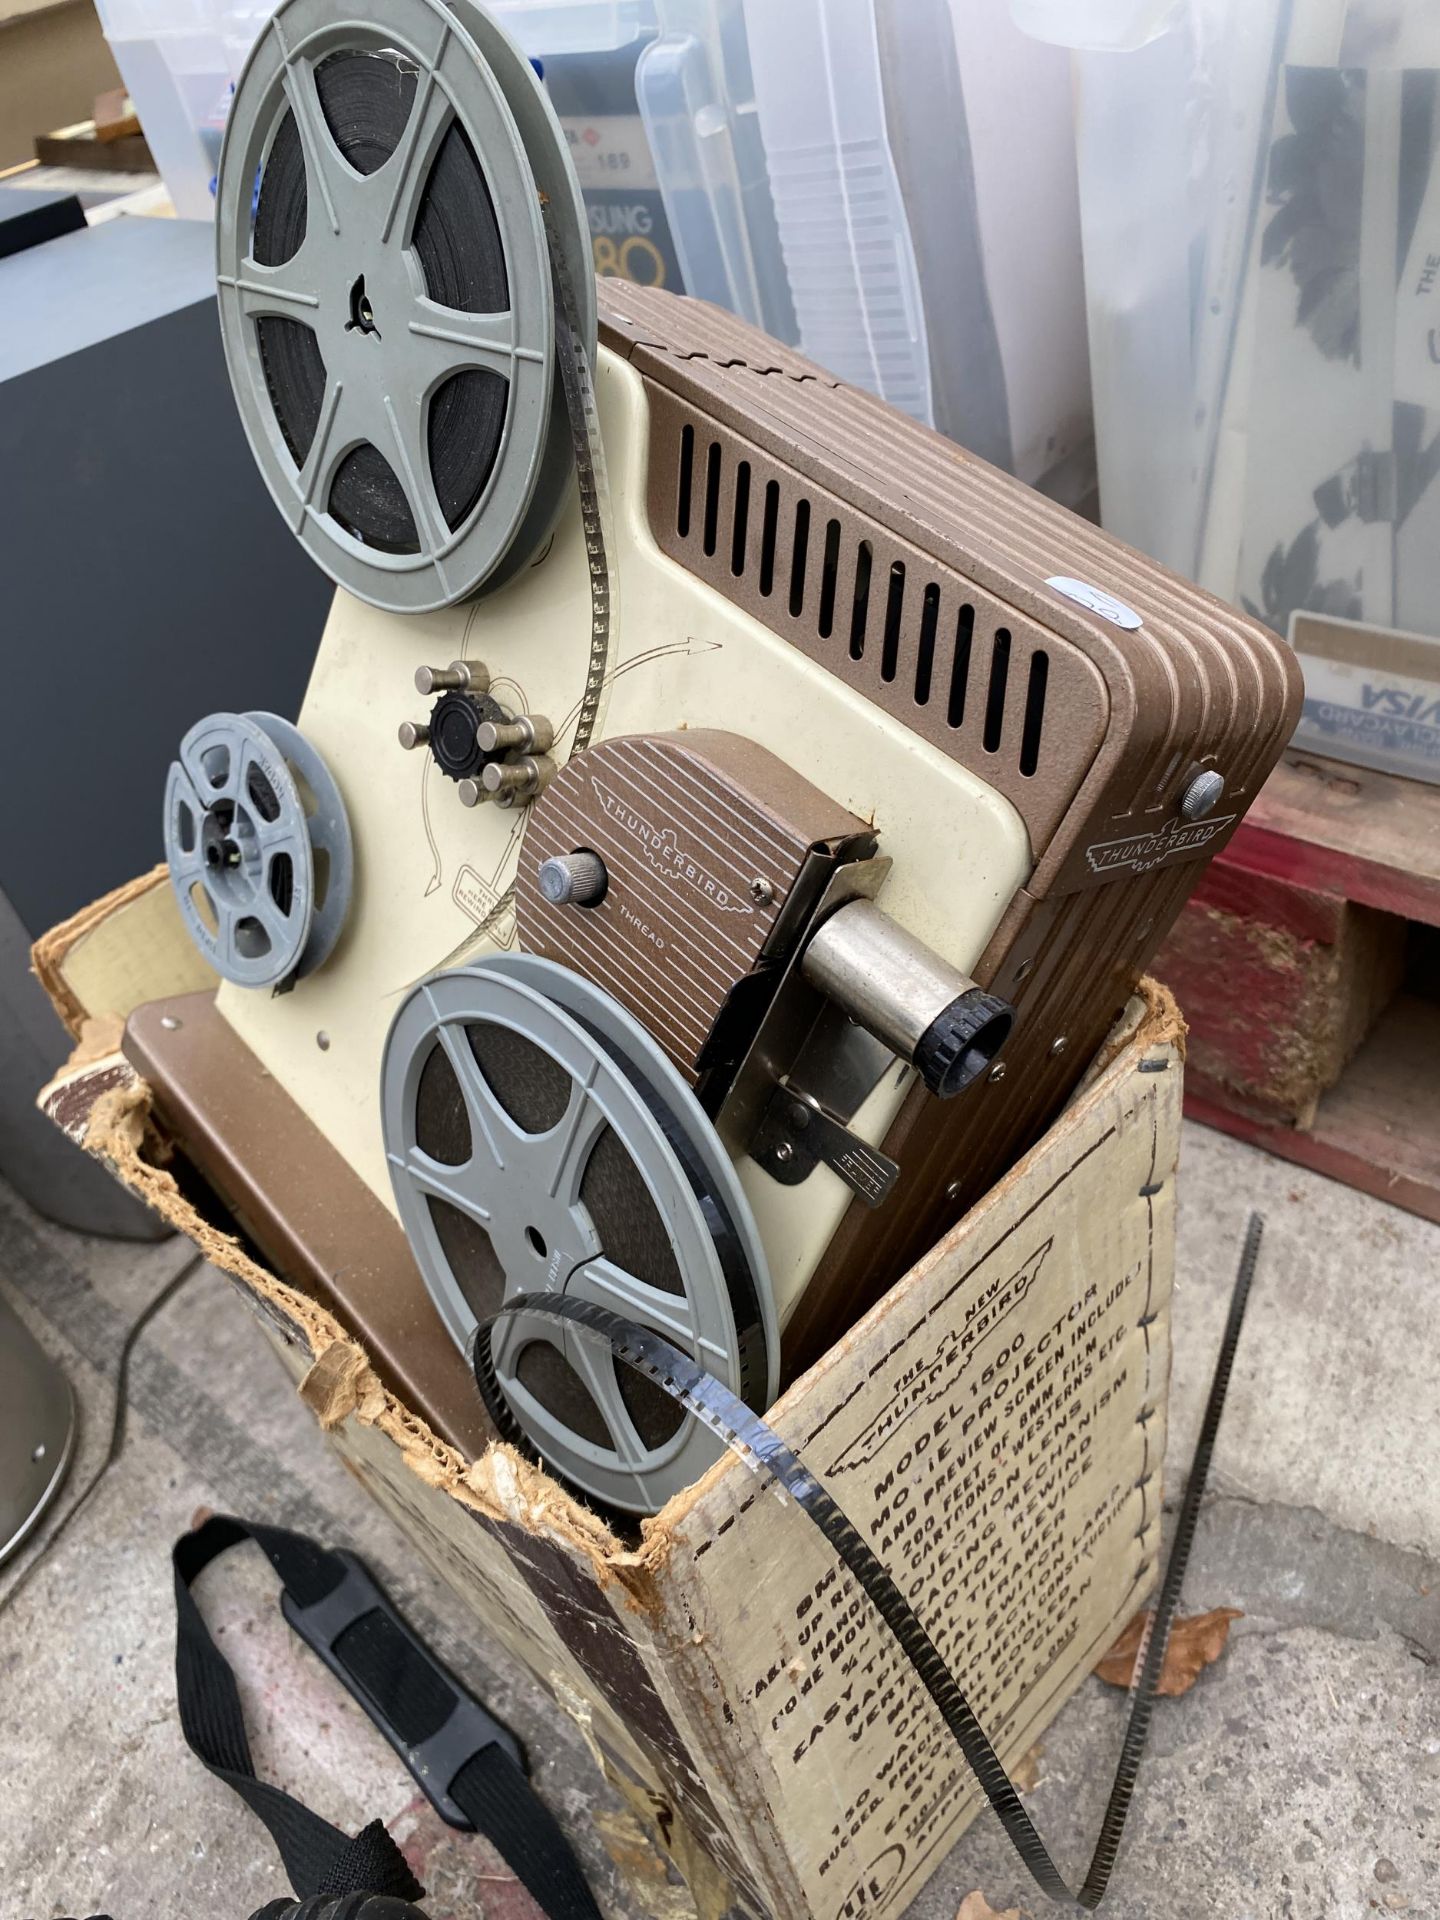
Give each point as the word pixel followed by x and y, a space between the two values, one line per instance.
pixel 994 1428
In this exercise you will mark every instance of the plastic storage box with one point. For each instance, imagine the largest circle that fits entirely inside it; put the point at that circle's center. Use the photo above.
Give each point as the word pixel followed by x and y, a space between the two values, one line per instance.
pixel 172 59
pixel 1260 203
pixel 887 183
pixel 657 99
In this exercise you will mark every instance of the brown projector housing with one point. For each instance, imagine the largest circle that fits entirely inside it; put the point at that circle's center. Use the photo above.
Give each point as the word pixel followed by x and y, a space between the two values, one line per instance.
pixel 918 574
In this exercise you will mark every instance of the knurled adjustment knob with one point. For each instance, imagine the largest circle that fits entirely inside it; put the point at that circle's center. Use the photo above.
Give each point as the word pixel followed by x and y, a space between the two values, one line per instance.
pixel 455 722
pixel 573 879
pixel 961 1044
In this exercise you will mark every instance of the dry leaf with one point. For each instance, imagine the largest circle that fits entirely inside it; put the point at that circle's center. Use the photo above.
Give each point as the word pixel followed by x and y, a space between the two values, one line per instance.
pixel 1026 1770
pixel 1196 1642
pixel 976 1907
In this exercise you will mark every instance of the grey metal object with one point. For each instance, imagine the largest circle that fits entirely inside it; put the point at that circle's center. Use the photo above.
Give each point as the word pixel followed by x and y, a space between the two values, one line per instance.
pixel 797 1134
pixel 840 1063
pixel 412 734
pixel 526 731
pixel 838 1066
pixel 332 848
pixel 573 879
pixel 515 780
pixel 263 882
pixel 38 1160
pixel 522 1190
pixel 946 1025
pixel 466 676
pixel 381 379
pixel 882 976
pixel 794 1010
pixel 1202 795
pixel 37 1430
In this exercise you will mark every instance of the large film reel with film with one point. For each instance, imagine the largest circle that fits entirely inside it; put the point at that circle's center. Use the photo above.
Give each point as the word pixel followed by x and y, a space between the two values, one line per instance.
pixel 401 247
pixel 539 1140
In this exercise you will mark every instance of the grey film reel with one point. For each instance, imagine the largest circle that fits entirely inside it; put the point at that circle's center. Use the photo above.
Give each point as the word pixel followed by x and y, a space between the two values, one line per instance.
pixel 529 1151
pixel 259 849
pixel 386 293
pixel 548 152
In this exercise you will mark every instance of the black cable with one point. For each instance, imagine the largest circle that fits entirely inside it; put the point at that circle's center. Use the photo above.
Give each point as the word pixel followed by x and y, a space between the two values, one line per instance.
pixel 117 1425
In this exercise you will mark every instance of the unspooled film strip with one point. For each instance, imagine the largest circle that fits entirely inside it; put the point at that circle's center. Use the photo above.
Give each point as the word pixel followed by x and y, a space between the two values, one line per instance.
pixel 757 1445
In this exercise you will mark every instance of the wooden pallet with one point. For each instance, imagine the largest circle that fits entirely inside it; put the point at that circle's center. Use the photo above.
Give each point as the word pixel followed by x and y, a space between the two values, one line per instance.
pixel 1313 1002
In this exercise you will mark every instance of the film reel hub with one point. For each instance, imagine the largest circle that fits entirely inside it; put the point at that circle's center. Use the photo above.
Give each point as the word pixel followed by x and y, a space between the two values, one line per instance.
pixel 538 1141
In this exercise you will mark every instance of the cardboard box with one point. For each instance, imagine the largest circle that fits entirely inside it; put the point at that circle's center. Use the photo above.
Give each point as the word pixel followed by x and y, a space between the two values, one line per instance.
pixel 995 1428
pixel 1372 695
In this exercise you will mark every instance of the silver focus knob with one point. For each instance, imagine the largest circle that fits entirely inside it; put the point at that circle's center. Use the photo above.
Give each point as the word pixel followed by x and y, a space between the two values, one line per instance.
pixel 1202 796
pixel 414 733
pixel 573 879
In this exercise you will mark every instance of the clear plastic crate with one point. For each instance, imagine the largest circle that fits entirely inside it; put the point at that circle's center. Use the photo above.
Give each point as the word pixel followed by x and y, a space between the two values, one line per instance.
pixel 656 98
pixel 1260 206
pixel 889 184
pixel 820 96
pixel 172 60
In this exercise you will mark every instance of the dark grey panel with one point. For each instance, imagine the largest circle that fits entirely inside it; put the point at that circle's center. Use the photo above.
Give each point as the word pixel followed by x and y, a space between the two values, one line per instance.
pixel 148 579
pixel 91 285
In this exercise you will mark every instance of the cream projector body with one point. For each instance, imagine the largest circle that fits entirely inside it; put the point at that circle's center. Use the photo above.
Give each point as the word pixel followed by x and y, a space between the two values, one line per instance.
pixel 643 903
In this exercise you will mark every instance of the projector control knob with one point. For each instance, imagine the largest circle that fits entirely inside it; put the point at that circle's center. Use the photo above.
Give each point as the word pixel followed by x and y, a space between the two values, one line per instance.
pixel 573 879
pixel 1202 795
pixel 961 1043
pixel 454 729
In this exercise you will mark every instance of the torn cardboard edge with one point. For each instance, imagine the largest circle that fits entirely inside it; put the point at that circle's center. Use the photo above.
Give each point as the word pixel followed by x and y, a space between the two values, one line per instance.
pixel 53 949
pixel 103 1105
pixel 671 1647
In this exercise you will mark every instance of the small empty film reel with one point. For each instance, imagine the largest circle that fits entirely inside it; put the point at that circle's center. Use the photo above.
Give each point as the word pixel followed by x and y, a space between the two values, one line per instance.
pixel 538 1140
pixel 387 292
pixel 258 845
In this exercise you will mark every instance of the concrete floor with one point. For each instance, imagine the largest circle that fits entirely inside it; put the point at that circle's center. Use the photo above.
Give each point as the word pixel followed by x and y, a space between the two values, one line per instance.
pixel 1299 1780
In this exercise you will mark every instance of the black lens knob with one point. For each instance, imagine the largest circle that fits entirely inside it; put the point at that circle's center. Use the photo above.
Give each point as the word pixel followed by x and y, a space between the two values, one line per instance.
pixel 455 721
pixel 963 1042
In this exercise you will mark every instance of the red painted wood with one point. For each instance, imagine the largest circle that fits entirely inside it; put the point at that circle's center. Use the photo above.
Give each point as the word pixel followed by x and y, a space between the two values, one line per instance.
pixel 1370 837
pixel 1232 886
pixel 1278 983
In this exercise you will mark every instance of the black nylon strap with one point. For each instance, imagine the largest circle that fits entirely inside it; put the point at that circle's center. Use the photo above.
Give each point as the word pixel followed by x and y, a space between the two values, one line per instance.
pixel 434 1724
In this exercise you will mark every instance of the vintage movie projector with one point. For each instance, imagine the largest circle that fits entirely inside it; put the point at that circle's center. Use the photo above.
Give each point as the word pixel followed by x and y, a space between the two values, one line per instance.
pixel 725 818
